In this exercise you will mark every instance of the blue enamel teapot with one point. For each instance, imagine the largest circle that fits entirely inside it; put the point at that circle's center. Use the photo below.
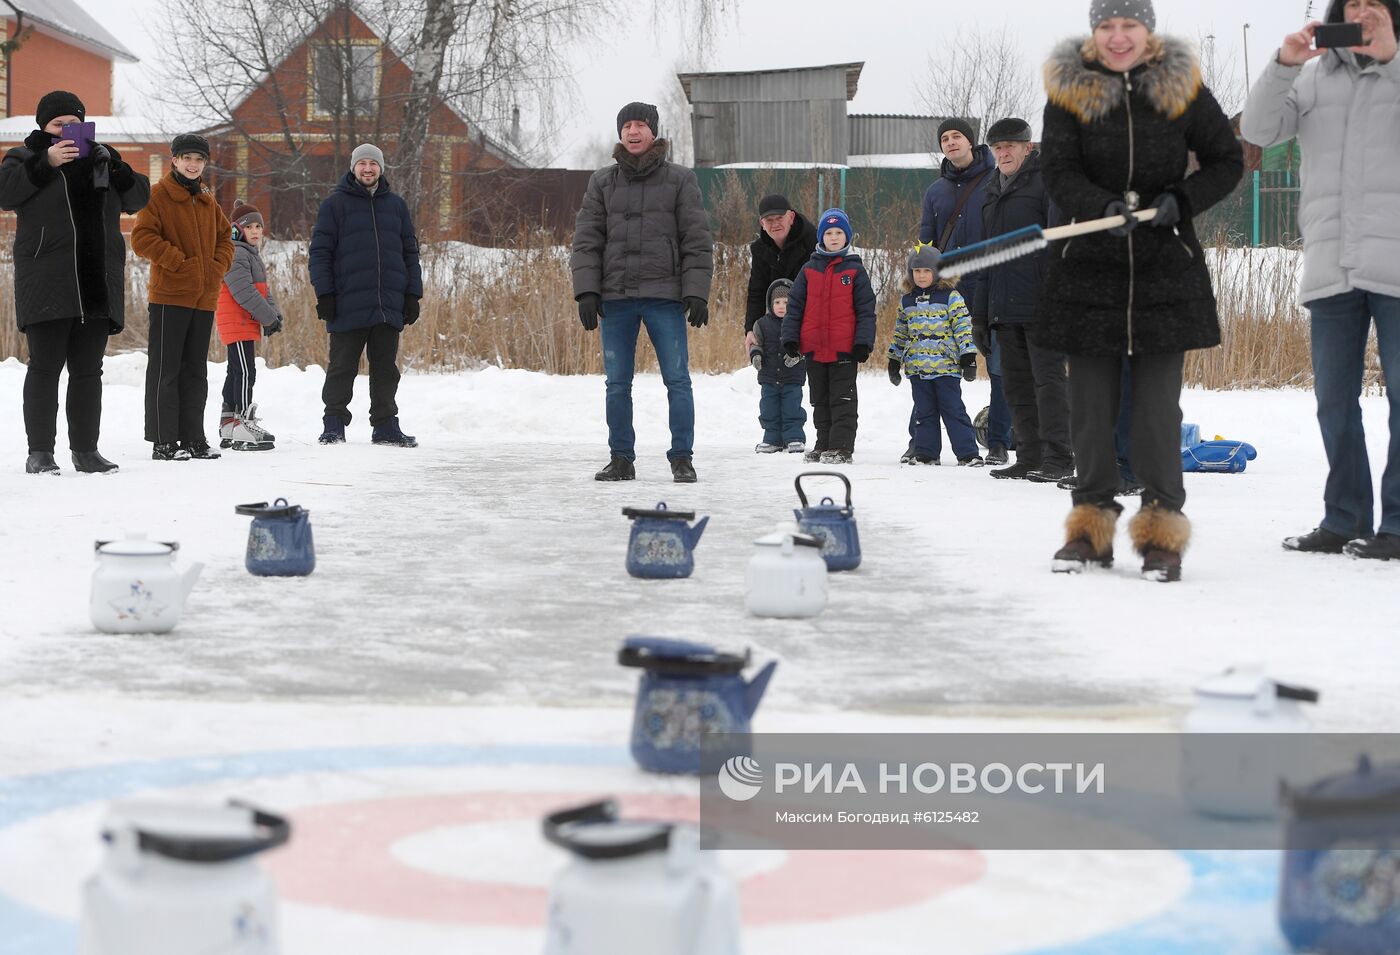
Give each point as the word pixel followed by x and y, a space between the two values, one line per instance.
pixel 831 523
pixel 687 690
pixel 662 544
pixel 279 540
pixel 1342 869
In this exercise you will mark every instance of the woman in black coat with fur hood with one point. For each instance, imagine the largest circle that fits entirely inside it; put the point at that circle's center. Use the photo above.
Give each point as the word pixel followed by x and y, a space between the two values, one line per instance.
pixel 1126 110
pixel 70 260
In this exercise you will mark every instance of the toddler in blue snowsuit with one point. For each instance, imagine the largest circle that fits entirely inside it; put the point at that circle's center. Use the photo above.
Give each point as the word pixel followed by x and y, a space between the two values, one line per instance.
pixel 933 347
pixel 780 408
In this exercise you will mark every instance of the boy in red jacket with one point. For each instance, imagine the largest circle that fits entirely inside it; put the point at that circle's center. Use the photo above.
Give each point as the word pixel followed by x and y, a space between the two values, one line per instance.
pixel 831 320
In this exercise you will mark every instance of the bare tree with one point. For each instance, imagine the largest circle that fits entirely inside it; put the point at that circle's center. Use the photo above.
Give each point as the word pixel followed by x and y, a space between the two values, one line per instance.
pixel 981 75
pixel 1221 72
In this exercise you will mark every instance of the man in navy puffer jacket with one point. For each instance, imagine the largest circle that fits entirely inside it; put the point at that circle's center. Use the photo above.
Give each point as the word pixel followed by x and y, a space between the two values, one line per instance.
pixel 364 267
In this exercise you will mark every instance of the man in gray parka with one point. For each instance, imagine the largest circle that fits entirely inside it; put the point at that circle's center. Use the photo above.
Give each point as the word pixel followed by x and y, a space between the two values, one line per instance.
pixel 1345 111
pixel 643 256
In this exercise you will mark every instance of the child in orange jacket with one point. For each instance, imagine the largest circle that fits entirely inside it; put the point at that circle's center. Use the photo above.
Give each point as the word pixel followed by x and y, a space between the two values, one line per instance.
pixel 246 313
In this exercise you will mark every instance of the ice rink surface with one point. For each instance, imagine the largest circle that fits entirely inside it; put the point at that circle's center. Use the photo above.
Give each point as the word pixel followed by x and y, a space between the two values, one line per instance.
pixel 458 638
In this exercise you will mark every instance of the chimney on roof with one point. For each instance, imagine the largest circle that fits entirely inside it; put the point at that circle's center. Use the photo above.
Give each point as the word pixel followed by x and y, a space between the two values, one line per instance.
pixel 515 125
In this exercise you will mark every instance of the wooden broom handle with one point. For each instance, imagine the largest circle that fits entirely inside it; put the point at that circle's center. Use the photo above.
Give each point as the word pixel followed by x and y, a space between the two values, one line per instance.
pixel 1093 225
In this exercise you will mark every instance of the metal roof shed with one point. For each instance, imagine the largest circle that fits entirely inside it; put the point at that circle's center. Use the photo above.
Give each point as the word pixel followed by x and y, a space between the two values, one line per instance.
pixel 769 116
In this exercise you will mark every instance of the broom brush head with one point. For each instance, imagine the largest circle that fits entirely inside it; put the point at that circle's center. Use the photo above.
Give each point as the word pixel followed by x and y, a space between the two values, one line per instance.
pixel 992 252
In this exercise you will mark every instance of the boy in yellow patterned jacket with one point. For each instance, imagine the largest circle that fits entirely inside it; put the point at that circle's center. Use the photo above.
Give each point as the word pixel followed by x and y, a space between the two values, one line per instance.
pixel 933 347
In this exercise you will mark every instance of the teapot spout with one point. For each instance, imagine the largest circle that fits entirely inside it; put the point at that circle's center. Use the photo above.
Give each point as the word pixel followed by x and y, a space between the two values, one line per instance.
pixel 754 689
pixel 188 578
pixel 692 535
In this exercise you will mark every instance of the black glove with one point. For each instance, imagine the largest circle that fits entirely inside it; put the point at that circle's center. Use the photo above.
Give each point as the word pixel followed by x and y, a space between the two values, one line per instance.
pixel 895 369
pixel 1168 211
pixel 697 312
pixel 412 308
pixel 325 307
pixel 968 363
pixel 756 359
pixel 273 327
pixel 590 309
pixel 792 357
pixel 982 338
pixel 860 352
pixel 1120 208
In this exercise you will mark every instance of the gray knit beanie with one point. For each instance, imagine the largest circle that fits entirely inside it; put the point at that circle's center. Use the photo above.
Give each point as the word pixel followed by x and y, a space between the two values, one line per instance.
pixel 1139 10
pixel 367 151
pixel 925 256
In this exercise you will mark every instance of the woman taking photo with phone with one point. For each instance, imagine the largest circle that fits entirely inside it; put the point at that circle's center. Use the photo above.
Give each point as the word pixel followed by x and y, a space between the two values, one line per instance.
pixel 70 261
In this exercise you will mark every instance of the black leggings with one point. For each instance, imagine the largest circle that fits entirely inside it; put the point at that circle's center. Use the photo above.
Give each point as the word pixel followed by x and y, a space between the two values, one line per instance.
pixel 238 380
pixel 52 345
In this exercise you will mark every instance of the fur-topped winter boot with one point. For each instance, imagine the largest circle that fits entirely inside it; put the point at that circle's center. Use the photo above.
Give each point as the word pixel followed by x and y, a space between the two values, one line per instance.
pixel 1088 538
pixel 1160 535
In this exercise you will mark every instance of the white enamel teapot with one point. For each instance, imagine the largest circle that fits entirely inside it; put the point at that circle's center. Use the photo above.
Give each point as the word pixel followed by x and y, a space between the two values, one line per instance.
pixel 1245 735
pixel 786 575
pixel 136 587
pixel 179 879
pixel 637 888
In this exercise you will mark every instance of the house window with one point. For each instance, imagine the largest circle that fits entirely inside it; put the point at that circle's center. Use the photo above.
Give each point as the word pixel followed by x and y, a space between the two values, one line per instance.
pixel 344 78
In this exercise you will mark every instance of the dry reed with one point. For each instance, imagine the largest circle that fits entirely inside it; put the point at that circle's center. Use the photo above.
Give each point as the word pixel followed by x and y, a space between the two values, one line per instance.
pixel 514 308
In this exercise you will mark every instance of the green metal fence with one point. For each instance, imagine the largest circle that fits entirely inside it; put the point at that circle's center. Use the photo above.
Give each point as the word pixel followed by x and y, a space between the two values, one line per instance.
pixel 885 204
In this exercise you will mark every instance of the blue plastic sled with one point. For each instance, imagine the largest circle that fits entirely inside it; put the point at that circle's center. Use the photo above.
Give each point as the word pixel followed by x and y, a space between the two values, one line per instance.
pixel 1219 456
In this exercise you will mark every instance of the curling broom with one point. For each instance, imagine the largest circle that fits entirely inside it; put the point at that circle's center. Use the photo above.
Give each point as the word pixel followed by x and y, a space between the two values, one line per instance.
pixel 1020 242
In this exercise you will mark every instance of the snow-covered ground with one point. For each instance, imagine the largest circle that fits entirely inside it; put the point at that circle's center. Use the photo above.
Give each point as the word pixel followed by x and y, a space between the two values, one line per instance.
pixel 470 595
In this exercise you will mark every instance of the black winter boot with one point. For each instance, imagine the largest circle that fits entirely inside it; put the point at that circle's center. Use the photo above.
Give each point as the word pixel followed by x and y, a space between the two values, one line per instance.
pixel 169 452
pixel 1380 547
pixel 390 433
pixel 618 469
pixel 1316 541
pixel 332 430
pixel 90 462
pixel 200 450
pixel 41 462
pixel 682 471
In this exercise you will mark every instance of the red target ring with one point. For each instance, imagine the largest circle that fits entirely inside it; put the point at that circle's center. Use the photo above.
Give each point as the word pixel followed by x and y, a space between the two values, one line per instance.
pixel 341 857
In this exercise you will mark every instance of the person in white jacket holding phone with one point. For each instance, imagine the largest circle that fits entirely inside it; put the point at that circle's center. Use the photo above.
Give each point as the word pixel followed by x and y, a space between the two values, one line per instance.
pixel 1345 111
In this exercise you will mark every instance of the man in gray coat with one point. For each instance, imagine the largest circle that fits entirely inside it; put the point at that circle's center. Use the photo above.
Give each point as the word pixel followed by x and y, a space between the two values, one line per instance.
pixel 643 256
pixel 1345 111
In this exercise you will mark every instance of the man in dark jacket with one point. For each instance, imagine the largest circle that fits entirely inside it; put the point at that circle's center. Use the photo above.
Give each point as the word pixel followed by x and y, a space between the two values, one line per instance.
pixel 364 268
pixel 643 256
pixel 952 218
pixel 1005 303
pixel 785 242
pixel 70 279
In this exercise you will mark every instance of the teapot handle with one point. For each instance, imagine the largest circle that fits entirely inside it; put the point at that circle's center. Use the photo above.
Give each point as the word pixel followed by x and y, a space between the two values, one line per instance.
pixel 836 474
pixel 273 831
pixel 599 812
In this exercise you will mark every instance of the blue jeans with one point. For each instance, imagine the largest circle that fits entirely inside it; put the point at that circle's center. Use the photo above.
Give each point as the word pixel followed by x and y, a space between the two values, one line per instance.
pixel 665 321
pixel 1340 325
pixel 941 398
pixel 781 413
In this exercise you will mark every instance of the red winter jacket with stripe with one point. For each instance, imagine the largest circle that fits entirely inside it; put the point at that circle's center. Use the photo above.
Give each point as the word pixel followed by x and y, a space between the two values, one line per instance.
pixel 831 307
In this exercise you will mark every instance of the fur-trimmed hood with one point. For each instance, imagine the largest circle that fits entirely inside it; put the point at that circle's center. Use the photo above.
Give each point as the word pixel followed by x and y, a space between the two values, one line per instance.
pixel 1171 83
